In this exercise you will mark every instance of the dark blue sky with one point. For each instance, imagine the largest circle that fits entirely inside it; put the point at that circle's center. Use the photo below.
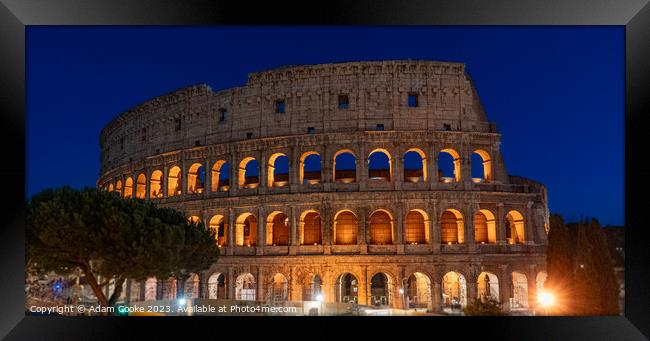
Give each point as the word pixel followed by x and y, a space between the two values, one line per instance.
pixel 556 93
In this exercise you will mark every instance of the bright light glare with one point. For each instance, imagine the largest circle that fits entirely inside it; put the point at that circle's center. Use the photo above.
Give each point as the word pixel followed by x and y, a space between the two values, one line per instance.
pixel 182 301
pixel 319 297
pixel 545 299
pixel 401 291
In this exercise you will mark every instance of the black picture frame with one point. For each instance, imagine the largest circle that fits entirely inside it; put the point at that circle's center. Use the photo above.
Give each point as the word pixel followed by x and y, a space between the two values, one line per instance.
pixel 634 15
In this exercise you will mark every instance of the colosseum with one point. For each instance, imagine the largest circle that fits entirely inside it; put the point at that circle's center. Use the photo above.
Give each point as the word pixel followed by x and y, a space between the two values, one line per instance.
pixel 377 183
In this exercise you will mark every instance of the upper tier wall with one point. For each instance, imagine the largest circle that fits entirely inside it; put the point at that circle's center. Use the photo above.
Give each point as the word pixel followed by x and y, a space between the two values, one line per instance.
pixel 377 92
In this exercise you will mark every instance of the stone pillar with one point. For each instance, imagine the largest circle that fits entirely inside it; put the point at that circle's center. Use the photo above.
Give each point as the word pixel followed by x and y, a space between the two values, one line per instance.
pixel 143 289
pixel 327 169
pixel 184 178
pixel 505 286
pixel 294 170
pixel 436 291
pixel 261 230
pixel 398 237
pixel 531 276
pixel 501 229
pixel 364 287
pixel 397 176
pixel 147 183
pixel 363 236
pixel 361 163
pixel 528 224
pixel 260 278
pixel 164 181
pixel 207 185
pixel 234 173
pixel 466 165
pixel 434 217
pixel 294 239
pixel 262 171
pixel 231 282
pixel 470 209
pixel 433 166
pixel 231 231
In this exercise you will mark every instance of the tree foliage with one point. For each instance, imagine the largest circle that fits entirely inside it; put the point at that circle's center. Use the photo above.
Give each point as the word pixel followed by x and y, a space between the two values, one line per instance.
pixel 580 269
pixel 104 235
pixel 486 307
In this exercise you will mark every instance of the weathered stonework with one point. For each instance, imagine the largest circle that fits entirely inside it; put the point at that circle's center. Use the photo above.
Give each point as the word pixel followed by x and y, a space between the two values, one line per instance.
pixel 189 127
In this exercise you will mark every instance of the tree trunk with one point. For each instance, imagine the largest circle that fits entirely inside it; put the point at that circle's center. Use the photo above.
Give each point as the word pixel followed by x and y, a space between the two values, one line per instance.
pixel 97 290
pixel 119 283
pixel 180 287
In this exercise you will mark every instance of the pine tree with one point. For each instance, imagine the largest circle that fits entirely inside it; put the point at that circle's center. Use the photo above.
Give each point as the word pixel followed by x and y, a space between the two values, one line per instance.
pixel 559 265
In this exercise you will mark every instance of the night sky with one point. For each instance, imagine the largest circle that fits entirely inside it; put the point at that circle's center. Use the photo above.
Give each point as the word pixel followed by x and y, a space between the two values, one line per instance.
pixel 555 93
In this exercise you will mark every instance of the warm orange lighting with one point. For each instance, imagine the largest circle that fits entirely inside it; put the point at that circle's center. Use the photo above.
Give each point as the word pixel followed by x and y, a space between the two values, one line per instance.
pixel 448 243
pixel 545 299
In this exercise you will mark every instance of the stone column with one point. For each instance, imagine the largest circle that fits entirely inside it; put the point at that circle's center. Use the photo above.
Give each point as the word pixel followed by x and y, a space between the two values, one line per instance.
pixel 434 217
pixel 528 224
pixel 294 170
pixel 234 173
pixel 436 290
pixel 143 289
pixel 207 185
pixel 505 286
pixel 501 229
pixel 294 239
pixel 261 230
pixel 231 231
pixel 397 176
pixel 261 287
pixel 262 171
pixel 327 169
pixel 184 178
pixel 231 282
pixel 399 229
pixel 164 181
pixel 364 287
pixel 147 183
pixel 470 209
pixel 466 165
pixel 432 166
pixel 362 167
pixel 363 235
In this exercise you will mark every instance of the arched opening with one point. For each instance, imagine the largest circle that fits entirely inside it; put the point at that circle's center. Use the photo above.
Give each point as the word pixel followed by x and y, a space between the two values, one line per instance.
pixel 278 170
pixel 150 286
pixel 485 231
pixel 519 291
pixel 310 168
pixel 128 188
pixel 118 187
pixel 345 228
pixel 481 166
pixel 110 187
pixel 310 228
pixel 381 228
pixel 415 166
pixel 246 230
pixel 141 186
pixel 245 289
pixel 217 286
pixel 418 291
pixel 487 286
pixel 155 185
pixel 194 219
pixel 417 227
pixel 221 176
pixel 312 289
pixel 347 289
pixel 220 226
pixel 448 165
pixel 192 287
pixel 379 290
pixel 539 282
pixel 279 288
pixel 277 229
pixel 169 289
pixel 345 167
pixel 515 227
pixel 247 174
pixel 196 179
pixel 379 165
pixel 174 186
pixel 454 292
pixel 451 227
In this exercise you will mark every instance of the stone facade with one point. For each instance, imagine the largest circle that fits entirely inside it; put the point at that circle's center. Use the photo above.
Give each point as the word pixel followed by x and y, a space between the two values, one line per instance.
pixel 155 151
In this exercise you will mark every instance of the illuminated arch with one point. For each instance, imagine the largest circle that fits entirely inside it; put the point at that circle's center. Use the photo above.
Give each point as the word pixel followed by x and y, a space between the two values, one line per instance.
pixel 312 288
pixel 219 224
pixel 279 289
pixel 417 227
pixel 220 176
pixel 347 288
pixel 340 174
pixel 380 167
pixel 346 228
pixel 418 291
pixel 155 185
pixel 515 227
pixel 245 287
pixel 455 165
pixel 277 229
pixel 482 157
pixel 246 230
pixel 174 182
pixel 128 187
pixel 485 231
pixel 452 227
pixel 244 178
pixel 381 227
pixel 118 187
pixel 488 286
pixel 194 219
pixel 276 179
pixel 310 228
pixel 150 289
pixel 519 291
pixel 380 289
pixel 217 286
pixel 141 186
pixel 110 187
pixel 192 287
pixel 419 174
pixel 454 292
pixel 196 178
pixel 307 175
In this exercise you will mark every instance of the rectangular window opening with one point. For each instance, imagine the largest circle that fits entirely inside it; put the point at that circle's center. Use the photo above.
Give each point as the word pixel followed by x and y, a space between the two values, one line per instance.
pixel 344 102
pixel 413 100
pixel 379 127
pixel 311 130
pixel 280 106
